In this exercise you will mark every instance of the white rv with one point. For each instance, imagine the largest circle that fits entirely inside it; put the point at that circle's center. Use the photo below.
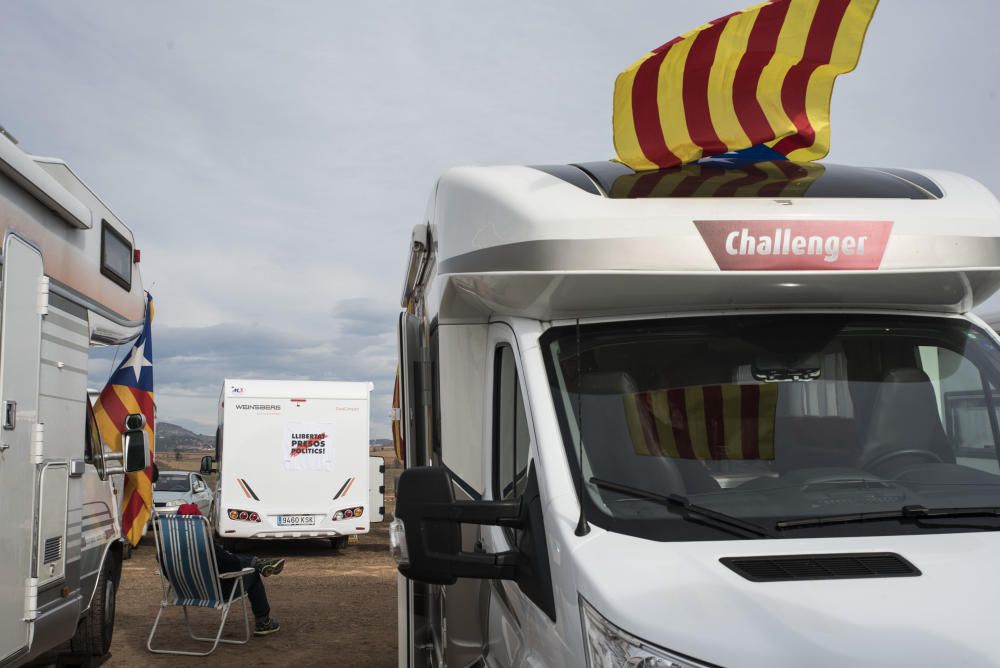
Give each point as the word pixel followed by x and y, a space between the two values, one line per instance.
pixel 293 461
pixel 708 416
pixel 68 283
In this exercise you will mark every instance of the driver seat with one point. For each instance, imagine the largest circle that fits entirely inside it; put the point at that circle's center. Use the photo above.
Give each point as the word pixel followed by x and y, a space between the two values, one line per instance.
pixel 904 423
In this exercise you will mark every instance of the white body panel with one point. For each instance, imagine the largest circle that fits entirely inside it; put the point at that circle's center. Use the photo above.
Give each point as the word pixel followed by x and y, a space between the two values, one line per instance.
pixel 509 252
pixel 293 451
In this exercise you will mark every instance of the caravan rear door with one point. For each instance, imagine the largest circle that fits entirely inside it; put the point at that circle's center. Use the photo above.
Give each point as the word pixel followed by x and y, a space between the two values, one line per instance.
pixel 20 344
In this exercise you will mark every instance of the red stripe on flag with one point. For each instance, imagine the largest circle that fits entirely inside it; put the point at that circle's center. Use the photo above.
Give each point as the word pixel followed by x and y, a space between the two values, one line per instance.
pixel 679 423
pixel 760 49
pixel 819 46
pixel 646 110
pixel 715 421
pixel 131 510
pixel 644 402
pixel 145 401
pixel 749 419
pixel 697 69
pixel 115 409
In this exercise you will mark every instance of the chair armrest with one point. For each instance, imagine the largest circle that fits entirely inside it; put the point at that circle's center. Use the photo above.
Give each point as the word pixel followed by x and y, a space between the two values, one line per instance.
pixel 236 574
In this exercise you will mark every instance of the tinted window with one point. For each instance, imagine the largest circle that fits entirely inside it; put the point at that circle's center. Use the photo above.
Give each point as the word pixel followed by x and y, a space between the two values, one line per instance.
pixel 510 428
pixel 116 256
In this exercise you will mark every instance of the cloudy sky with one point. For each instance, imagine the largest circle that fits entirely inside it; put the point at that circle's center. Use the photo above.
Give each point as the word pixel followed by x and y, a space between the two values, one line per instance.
pixel 272 157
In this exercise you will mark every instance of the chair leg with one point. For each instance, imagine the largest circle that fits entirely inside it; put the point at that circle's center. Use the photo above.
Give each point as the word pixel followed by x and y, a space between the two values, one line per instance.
pixel 225 614
pixel 149 642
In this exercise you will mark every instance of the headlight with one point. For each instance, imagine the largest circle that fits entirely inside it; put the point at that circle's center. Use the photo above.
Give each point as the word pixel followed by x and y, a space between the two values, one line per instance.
pixel 610 647
pixel 174 503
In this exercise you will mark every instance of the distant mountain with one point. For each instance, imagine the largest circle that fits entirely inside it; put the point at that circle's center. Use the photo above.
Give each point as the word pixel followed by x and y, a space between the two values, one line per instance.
pixel 172 437
pixel 380 442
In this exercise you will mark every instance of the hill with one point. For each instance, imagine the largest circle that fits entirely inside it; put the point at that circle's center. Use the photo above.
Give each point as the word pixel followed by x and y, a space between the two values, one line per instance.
pixel 173 438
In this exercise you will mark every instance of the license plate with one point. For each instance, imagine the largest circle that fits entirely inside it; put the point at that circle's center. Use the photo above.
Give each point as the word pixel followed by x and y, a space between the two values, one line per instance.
pixel 296 520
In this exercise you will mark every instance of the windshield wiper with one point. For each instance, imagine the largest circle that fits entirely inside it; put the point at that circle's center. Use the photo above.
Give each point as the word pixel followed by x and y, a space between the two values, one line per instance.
pixel 689 511
pixel 913 513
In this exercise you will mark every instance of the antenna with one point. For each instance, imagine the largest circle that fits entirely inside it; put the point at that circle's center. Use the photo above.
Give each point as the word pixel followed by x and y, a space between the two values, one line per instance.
pixel 582 528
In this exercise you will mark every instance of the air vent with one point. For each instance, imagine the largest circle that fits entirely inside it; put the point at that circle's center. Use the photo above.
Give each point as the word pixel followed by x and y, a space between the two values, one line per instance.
pixel 821 567
pixel 53 549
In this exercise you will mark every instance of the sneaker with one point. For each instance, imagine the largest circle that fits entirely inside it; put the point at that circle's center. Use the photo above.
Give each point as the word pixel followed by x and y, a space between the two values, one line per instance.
pixel 265 626
pixel 269 567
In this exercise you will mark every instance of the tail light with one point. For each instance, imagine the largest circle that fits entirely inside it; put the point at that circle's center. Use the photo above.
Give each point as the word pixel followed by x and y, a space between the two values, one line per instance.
pixel 243 515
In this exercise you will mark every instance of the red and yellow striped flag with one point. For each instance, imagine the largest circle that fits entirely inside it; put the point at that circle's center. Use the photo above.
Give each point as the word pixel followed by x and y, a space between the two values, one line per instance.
pixel 763 76
pixel 706 422
pixel 130 391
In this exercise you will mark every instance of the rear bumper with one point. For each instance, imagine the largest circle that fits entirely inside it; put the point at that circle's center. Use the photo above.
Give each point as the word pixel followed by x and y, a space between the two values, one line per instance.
pixel 279 534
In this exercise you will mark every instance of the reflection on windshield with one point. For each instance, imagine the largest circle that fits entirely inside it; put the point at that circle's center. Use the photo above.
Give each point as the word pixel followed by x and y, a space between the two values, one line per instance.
pixel 172 483
pixel 781 416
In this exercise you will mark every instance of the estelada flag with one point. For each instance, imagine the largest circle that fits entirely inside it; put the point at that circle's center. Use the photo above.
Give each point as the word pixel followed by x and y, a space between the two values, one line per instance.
pixel 129 391
pixel 760 77
pixel 707 422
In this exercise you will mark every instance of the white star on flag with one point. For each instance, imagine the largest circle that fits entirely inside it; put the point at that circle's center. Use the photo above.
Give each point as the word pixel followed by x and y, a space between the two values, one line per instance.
pixel 138 360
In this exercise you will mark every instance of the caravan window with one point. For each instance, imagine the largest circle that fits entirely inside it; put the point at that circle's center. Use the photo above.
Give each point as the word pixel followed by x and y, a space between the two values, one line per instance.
pixel 510 428
pixel 769 418
pixel 116 256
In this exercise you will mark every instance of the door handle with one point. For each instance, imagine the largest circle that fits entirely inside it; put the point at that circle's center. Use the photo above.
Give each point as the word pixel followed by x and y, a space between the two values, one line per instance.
pixel 9 415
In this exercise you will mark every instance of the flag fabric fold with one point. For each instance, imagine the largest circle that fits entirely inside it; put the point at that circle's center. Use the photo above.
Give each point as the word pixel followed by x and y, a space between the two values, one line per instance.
pixel 762 76
pixel 130 391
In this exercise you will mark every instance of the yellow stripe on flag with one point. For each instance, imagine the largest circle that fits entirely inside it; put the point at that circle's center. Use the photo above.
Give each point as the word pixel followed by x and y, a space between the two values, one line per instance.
pixel 664 425
pixel 670 88
pixel 788 51
pixel 732 46
pixel 846 52
pixel 694 402
pixel 625 139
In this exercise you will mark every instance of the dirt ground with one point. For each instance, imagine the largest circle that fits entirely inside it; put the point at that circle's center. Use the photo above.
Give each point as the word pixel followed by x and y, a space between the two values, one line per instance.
pixel 336 608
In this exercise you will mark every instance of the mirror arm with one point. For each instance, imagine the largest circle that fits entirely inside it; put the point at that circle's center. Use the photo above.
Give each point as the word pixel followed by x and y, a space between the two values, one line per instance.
pixel 499 565
pixel 110 456
pixel 491 513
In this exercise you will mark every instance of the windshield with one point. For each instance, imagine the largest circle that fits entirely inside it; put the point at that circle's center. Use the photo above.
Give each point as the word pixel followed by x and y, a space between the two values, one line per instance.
pixel 172 483
pixel 769 418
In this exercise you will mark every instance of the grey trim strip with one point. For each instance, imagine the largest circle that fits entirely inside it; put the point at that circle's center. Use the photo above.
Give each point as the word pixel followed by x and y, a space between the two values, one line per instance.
pixel 64 367
pixel 66 344
pixel 63 304
pixel 89 304
pixel 689 253
pixel 55 396
pixel 96 525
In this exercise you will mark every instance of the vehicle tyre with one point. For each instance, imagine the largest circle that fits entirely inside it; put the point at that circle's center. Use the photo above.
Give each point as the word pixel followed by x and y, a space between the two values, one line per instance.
pixel 228 544
pixel 338 542
pixel 96 629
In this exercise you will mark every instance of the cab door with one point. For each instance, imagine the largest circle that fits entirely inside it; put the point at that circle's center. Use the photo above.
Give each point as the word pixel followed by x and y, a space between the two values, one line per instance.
pixel 510 613
pixel 20 349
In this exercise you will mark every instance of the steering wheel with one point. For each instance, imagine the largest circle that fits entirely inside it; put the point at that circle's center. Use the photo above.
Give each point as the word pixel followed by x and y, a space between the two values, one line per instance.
pixel 932 457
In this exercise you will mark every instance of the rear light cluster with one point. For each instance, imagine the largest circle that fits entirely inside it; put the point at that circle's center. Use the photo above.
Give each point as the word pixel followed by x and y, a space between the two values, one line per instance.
pixel 243 515
pixel 348 513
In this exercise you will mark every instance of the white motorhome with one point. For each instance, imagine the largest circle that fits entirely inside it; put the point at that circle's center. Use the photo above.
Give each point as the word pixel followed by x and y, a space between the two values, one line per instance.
pixel 718 415
pixel 293 461
pixel 68 283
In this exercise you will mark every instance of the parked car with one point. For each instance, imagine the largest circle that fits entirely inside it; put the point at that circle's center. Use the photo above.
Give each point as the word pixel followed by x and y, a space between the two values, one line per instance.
pixel 173 488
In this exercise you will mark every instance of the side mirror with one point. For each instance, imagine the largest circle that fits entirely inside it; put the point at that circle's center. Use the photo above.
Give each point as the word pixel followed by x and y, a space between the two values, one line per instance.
pixel 206 465
pixel 135 444
pixel 425 537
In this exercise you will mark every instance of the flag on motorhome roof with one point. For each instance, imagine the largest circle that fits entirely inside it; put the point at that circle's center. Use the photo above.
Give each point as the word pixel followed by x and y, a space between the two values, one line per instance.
pixel 762 77
pixel 130 391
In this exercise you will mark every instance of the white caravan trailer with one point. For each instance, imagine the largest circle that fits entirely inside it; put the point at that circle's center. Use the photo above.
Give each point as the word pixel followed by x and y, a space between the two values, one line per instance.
pixel 68 283
pixel 293 461
pixel 706 416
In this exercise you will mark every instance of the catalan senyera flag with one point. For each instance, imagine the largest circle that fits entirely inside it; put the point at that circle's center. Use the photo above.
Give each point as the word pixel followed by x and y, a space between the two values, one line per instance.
pixel 777 179
pixel 706 422
pixel 760 77
pixel 130 390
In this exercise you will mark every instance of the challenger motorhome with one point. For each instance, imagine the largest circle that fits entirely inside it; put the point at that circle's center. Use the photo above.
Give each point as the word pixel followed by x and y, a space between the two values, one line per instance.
pixel 68 283
pixel 717 415
pixel 293 461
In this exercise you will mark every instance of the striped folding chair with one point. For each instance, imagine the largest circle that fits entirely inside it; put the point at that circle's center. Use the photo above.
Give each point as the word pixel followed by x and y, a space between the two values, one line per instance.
pixel 191 577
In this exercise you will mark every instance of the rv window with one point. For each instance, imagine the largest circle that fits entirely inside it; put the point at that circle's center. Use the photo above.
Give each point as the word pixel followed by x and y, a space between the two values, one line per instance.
pixel 116 256
pixel 92 442
pixel 510 428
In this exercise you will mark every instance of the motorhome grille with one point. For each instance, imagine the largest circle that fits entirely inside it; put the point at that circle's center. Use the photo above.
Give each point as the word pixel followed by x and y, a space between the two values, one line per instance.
pixel 53 549
pixel 821 567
